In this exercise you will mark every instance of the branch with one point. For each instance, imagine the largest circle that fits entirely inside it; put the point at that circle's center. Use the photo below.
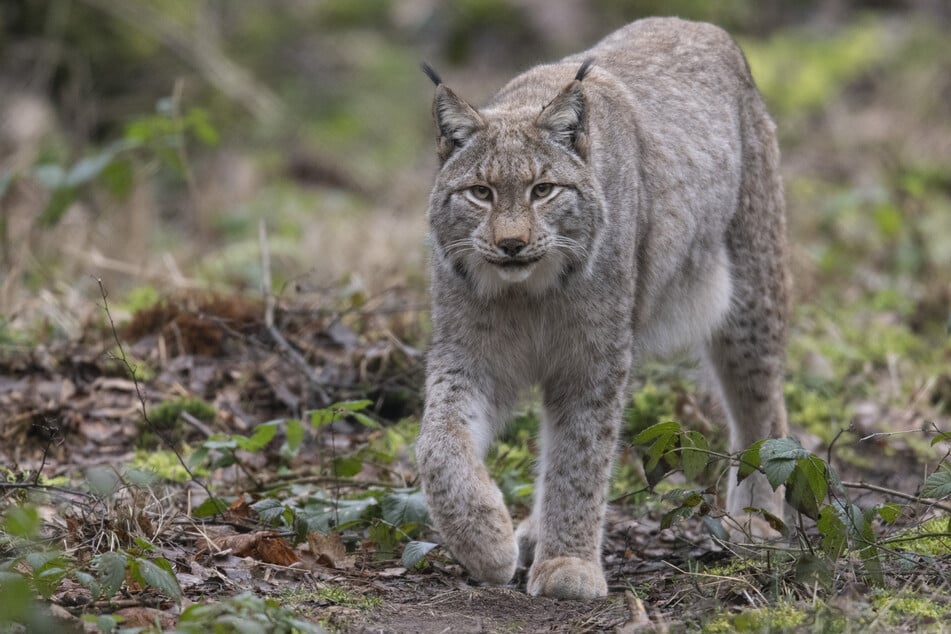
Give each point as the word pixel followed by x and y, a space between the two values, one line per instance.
pixel 196 51
pixel 898 494
pixel 138 392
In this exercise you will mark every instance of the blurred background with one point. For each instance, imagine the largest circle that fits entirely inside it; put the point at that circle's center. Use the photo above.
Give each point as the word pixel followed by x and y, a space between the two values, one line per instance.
pixel 142 141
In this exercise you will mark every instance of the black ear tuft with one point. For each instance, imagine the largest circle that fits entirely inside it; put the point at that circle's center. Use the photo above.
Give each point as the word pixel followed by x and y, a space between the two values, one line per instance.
pixel 585 67
pixel 432 74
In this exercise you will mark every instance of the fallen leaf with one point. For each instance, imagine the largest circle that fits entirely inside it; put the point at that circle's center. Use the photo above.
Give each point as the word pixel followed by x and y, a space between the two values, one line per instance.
pixel 139 616
pixel 330 551
pixel 266 546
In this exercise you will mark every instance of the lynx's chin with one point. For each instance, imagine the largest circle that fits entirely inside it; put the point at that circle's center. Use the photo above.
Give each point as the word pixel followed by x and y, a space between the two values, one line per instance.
pixel 515 274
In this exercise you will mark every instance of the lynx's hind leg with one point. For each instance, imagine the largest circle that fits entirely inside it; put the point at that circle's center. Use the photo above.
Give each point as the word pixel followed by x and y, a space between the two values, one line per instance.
pixel 748 351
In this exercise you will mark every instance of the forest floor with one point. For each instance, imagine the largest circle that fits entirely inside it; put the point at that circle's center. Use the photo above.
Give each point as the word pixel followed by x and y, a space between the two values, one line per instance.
pixel 86 420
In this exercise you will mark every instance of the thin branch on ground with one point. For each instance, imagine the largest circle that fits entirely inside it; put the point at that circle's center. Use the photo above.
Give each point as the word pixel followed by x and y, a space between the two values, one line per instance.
pixel 130 369
pixel 898 494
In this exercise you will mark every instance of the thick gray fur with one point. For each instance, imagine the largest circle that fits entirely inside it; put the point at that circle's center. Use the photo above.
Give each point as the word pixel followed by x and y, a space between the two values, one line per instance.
pixel 663 229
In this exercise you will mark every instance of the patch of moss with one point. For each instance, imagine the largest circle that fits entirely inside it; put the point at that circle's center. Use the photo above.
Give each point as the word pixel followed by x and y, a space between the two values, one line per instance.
pixel 938 545
pixel 165 415
pixel 896 609
pixel 163 463
pixel 778 618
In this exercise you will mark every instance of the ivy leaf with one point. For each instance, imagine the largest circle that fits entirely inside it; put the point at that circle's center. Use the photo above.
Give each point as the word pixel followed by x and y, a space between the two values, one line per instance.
pixel 938 485
pixel 414 552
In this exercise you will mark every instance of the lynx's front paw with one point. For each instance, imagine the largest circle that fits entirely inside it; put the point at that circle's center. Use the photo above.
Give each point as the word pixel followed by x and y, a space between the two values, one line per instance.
pixel 567 578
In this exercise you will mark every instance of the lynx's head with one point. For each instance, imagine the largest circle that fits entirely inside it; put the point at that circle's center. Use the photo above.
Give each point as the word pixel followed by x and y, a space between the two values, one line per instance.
pixel 514 204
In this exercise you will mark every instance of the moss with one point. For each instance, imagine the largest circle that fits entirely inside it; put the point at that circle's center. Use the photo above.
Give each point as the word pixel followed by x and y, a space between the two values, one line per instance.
pixel 778 618
pixel 936 546
pixel 163 463
pixel 896 609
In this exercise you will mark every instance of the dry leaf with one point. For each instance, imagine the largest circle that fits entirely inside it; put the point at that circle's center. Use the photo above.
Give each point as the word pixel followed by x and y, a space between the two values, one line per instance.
pixel 138 616
pixel 330 551
pixel 266 546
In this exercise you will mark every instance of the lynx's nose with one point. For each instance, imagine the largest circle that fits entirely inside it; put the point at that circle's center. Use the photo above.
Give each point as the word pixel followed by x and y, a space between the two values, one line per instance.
pixel 511 246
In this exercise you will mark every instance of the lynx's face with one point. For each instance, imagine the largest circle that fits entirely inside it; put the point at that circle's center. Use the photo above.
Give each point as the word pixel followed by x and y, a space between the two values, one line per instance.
pixel 514 199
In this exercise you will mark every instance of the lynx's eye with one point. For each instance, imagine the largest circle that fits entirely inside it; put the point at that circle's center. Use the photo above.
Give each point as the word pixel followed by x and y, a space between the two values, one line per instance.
pixel 542 190
pixel 481 192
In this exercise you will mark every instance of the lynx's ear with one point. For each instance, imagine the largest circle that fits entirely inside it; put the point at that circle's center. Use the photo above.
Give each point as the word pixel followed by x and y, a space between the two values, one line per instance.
pixel 566 116
pixel 456 121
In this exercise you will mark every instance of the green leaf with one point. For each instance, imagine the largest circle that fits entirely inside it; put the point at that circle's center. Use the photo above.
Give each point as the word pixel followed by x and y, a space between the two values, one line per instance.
pixel 268 509
pixel 366 421
pixel 22 521
pixel 938 485
pixel 89 582
pixel 140 477
pixel 210 508
pixel 778 471
pixel 50 176
pixel 110 569
pixel 60 200
pixel 157 575
pixel 812 569
pixel 889 512
pixel 401 509
pixel 807 486
pixel 750 461
pixel 414 552
pixel 657 430
pixel 118 177
pixel 294 435
pixel 347 467
pixel 258 440
pixel 103 481
pixel 88 169
pixel 693 454
pixel 943 436
pixel 322 417
pixel 672 517
pixel 664 436
pixel 833 532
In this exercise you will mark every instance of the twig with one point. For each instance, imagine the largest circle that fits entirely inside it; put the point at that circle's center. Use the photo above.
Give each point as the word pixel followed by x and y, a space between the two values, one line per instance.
pixel 197 51
pixel 138 392
pixel 269 303
pixel 898 494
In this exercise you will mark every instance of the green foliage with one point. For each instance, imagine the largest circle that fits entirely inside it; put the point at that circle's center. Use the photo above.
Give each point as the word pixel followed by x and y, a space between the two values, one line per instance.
pixel 798 72
pixel 165 415
pixel 243 613
pixel 812 489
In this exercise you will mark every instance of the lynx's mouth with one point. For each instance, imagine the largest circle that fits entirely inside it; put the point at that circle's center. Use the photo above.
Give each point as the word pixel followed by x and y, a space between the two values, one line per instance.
pixel 515 270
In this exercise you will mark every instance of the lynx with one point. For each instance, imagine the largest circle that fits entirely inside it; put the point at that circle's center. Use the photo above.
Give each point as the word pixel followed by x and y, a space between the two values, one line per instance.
pixel 622 203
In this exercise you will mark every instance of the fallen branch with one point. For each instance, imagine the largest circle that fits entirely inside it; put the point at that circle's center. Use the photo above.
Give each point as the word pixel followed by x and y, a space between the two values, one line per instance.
pixel 898 494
